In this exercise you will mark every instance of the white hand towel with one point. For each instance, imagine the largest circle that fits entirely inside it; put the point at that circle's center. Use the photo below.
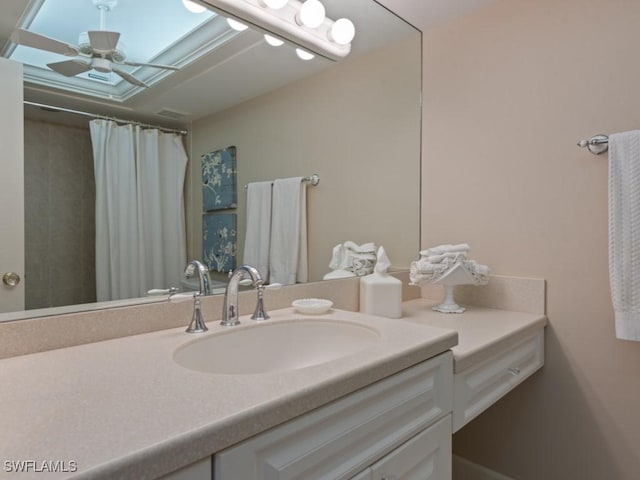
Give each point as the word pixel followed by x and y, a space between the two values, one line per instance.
pixel 624 232
pixel 288 252
pixel 258 230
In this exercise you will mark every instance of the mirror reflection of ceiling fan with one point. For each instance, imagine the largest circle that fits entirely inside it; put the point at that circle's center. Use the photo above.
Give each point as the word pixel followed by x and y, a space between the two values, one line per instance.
pixel 98 50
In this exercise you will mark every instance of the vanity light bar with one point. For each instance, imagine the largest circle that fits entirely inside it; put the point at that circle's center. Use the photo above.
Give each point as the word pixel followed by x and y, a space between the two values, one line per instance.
pixel 283 23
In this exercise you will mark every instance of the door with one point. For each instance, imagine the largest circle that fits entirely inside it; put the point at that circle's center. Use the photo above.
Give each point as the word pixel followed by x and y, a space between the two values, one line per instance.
pixel 11 187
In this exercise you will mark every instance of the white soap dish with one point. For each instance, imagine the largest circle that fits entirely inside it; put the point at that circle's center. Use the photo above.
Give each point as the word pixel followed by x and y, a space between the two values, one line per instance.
pixel 312 306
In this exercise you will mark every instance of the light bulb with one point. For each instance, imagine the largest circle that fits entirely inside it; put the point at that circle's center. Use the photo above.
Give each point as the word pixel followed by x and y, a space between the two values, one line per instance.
pixel 273 41
pixel 193 7
pixel 342 31
pixel 275 4
pixel 311 13
pixel 236 25
pixel 303 54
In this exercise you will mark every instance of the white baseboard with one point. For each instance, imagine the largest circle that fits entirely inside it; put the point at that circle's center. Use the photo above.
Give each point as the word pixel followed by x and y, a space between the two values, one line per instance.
pixel 464 469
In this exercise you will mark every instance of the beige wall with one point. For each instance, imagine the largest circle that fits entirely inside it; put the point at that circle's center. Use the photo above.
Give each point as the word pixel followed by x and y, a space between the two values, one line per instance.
pixel 508 92
pixel 358 126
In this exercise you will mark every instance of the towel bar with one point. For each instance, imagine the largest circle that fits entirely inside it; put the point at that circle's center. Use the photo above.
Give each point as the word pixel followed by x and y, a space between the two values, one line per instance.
pixel 597 144
pixel 312 179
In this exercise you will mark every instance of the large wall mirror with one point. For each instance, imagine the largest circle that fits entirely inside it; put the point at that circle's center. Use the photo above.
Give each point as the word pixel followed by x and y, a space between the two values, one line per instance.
pixel 356 123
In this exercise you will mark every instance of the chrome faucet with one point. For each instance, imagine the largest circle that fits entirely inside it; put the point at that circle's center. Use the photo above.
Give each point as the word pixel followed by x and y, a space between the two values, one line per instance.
pixel 230 308
pixel 197 323
pixel 203 274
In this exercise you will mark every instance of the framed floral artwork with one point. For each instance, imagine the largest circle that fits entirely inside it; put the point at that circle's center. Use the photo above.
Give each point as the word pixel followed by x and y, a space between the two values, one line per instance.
pixel 219 189
pixel 219 241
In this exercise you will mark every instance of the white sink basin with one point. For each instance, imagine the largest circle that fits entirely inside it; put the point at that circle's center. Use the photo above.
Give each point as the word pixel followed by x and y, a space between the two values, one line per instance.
pixel 275 347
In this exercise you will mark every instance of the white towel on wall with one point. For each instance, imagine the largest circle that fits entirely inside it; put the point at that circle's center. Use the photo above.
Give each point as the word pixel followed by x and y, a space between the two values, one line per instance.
pixel 288 252
pixel 624 232
pixel 258 230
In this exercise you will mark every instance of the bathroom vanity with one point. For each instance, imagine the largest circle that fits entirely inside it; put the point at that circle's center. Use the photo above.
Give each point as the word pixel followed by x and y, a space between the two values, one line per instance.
pixel 124 408
pixel 404 423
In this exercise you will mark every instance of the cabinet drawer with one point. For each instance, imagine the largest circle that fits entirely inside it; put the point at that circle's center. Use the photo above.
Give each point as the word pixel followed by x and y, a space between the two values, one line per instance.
pixel 479 387
pixel 344 437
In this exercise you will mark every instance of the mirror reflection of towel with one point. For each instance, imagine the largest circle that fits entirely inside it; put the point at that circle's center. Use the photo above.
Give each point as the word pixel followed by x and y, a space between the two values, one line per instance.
pixel 288 251
pixel 258 232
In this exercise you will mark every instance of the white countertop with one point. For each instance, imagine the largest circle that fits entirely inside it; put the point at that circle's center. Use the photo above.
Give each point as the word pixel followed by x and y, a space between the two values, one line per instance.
pixel 482 332
pixel 124 409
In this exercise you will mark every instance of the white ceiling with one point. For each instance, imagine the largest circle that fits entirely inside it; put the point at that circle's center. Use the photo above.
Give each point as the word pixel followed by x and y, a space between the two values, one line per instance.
pixel 244 67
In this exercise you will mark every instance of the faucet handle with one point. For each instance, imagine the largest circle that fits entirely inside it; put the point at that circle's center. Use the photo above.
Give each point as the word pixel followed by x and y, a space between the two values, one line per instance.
pixel 260 314
pixel 197 324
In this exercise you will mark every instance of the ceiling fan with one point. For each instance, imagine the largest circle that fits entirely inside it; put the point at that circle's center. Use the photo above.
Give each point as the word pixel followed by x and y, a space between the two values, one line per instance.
pixel 96 50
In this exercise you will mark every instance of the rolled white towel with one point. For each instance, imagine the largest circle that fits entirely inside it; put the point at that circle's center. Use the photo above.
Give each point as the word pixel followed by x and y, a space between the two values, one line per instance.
pixel 424 266
pixel 420 278
pixel 457 256
pixel 461 247
pixel 481 272
pixel 446 248
pixel 418 275
pixel 369 247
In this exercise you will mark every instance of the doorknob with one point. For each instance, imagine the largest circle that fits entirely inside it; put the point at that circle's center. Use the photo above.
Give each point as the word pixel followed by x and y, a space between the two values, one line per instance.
pixel 11 279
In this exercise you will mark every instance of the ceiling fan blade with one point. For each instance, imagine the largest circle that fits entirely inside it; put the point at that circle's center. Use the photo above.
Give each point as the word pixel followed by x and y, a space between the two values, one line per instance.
pixel 103 41
pixel 35 40
pixel 154 65
pixel 129 78
pixel 69 68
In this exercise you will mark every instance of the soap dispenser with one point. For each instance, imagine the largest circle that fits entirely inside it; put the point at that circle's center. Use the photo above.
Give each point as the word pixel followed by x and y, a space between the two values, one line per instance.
pixel 380 293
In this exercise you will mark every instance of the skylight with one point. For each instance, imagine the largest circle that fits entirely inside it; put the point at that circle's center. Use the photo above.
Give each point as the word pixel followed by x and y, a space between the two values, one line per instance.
pixel 150 30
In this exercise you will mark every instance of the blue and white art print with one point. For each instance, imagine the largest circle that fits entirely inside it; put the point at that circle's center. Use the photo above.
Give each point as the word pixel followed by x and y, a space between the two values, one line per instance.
pixel 219 241
pixel 219 189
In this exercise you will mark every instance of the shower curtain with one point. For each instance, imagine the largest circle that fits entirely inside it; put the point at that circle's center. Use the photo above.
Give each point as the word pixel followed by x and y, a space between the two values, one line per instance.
pixel 140 219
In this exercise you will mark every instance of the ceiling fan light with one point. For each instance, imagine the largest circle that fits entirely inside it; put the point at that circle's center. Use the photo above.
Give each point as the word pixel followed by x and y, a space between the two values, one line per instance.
pixel 303 54
pixel 236 25
pixel 311 14
pixel 275 4
pixel 342 31
pixel 273 41
pixel 193 7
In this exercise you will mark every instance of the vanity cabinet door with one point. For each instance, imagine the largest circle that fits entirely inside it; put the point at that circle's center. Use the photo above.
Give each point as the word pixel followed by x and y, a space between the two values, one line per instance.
pixel 344 438
pixel 427 456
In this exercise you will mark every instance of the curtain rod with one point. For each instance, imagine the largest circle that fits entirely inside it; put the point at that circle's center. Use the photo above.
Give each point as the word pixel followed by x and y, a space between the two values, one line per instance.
pixel 105 117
